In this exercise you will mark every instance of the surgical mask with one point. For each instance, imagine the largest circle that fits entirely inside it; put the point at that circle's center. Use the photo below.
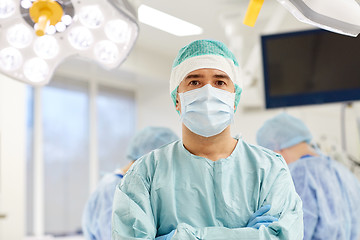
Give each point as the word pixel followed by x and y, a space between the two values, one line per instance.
pixel 207 111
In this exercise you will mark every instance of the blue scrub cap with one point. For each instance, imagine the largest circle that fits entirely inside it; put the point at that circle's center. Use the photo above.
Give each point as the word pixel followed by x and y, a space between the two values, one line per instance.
pixel 205 54
pixel 282 131
pixel 148 139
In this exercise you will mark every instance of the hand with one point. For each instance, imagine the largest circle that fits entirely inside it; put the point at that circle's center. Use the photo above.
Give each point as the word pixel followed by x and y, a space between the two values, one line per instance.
pixel 258 218
pixel 167 236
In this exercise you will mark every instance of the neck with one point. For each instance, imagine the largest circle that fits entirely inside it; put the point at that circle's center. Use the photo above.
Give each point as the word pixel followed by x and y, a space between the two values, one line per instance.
pixel 213 148
pixel 126 168
pixel 295 152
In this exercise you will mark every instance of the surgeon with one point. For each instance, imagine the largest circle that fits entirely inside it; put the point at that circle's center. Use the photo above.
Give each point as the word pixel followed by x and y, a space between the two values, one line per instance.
pixel 330 192
pixel 208 185
pixel 96 221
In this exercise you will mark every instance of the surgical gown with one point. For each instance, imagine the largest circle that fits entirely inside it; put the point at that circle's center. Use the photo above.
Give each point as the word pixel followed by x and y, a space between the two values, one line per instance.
pixel 331 198
pixel 170 188
pixel 96 220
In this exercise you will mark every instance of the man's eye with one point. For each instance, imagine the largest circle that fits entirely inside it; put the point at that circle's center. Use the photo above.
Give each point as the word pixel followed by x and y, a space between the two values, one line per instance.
pixel 194 83
pixel 220 83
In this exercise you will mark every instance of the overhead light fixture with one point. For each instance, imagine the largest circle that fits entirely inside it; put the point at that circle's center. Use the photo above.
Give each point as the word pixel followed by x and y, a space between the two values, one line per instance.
pixel 166 22
pixel 37 35
pixel 339 16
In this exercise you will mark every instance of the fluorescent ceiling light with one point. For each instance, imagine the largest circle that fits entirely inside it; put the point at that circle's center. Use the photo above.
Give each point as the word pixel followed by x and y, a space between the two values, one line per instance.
pixel 166 22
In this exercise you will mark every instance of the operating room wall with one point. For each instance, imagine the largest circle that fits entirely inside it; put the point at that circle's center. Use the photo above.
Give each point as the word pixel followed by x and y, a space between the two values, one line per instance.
pixel 155 108
pixel 12 159
pixel 154 105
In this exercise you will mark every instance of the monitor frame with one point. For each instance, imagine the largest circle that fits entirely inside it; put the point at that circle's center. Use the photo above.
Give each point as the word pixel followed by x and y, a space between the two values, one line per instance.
pixel 320 97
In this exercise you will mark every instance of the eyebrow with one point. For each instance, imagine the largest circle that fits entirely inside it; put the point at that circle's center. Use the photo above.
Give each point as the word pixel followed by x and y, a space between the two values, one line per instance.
pixel 193 76
pixel 222 76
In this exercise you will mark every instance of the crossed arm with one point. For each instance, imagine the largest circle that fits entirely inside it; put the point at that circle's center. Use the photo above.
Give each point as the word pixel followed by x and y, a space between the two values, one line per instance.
pixel 133 217
pixel 259 218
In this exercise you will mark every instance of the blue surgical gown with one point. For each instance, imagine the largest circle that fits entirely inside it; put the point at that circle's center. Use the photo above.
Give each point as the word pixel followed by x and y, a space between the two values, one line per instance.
pixel 96 220
pixel 331 198
pixel 170 188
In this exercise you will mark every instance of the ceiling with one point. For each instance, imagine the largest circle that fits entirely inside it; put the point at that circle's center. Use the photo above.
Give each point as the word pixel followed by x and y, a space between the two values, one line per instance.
pixel 220 20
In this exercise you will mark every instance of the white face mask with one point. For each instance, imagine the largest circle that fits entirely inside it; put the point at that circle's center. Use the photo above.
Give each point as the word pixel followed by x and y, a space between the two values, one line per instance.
pixel 207 111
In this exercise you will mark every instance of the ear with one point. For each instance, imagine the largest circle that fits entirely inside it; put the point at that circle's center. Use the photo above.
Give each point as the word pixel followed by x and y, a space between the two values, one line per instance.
pixel 178 105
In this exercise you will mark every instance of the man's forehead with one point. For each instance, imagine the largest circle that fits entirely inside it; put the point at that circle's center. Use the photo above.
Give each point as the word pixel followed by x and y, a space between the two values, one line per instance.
pixel 206 71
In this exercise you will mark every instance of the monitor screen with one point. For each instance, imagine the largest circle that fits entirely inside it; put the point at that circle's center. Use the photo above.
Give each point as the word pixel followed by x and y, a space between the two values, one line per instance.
pixel 310 67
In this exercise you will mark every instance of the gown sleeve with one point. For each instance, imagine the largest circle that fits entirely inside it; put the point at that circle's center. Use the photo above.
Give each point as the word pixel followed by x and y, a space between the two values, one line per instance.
pixel 132 214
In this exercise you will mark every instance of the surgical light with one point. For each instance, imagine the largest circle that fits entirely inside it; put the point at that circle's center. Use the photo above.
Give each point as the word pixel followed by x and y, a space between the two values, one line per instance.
pixel 117 31
pixel 46 47
pixel 37 35
pixel 80 38
pixel 106 52
pixel 91 16
pixel 339 16
pixel 26 4
pixel 50 30
pixel 7 8
pixel 10 59
pixel 19 36
pixel 36 70
pixel 66 19
pixel 60 27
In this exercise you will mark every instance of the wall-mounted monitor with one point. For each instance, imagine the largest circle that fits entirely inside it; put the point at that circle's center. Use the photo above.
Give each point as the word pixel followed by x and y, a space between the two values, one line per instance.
pixel 310 67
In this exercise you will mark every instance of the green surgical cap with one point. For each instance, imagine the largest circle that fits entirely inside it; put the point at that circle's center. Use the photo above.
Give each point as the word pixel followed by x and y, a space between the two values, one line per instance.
pixel 204 47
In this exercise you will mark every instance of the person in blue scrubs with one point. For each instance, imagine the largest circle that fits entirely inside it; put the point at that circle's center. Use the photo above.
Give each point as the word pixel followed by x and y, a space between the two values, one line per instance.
pixel 96 220
pixel 329 191
pixel 208 185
